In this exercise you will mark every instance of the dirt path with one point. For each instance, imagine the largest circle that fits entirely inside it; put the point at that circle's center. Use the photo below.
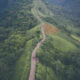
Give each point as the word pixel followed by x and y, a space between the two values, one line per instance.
pixel 33 58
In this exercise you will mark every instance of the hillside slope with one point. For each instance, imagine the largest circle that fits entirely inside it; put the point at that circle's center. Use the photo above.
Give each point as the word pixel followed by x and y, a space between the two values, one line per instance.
pixel 59 55
pixel 18 36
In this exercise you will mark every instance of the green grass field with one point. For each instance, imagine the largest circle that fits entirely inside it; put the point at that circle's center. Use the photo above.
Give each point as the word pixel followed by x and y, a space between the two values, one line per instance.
pixel 76 37
pixel 62 44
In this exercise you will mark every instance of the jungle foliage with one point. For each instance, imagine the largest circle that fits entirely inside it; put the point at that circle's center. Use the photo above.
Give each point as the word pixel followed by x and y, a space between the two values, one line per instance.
pixel 16 21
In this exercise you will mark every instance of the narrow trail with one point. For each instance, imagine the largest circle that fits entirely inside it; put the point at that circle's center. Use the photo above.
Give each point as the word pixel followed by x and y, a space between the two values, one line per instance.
pixel 33 58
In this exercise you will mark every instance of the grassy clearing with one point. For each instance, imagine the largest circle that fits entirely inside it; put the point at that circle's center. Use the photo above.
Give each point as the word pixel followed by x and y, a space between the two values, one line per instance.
pixel 62 44
pixel 77 38
pixel 73 29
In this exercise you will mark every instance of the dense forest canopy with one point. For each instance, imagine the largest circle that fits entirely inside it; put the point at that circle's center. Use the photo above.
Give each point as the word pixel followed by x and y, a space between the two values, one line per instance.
pixel 15 24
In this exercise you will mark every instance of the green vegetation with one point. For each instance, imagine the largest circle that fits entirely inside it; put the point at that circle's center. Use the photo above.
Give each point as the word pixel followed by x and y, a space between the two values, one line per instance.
pixel 59 56
pixel 42 9
pixel 76 37
pixel 58 60
pixel 18 36
pixel 23 63
pixel 62 44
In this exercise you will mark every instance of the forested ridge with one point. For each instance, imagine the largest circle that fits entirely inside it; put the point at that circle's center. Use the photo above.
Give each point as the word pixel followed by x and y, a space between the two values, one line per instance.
pixel 15 23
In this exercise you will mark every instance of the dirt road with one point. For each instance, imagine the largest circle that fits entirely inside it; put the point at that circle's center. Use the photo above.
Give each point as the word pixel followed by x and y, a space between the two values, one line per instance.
pixel 33 58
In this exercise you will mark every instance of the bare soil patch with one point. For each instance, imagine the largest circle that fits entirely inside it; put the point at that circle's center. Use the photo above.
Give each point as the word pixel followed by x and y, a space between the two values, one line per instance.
pixel 49 29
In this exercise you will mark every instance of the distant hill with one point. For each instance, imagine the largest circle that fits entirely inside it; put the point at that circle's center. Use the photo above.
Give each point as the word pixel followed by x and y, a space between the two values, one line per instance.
pixel 72 5
pixel 3 3
pixel 6 3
